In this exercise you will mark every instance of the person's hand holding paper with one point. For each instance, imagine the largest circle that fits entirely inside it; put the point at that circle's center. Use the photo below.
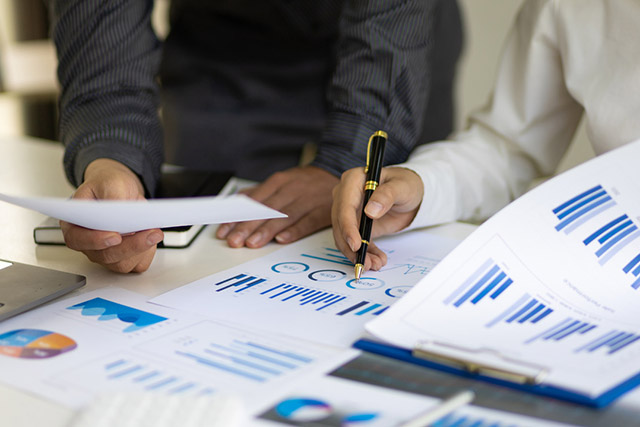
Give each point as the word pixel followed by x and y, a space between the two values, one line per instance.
pixel 109 220
pixel 132 252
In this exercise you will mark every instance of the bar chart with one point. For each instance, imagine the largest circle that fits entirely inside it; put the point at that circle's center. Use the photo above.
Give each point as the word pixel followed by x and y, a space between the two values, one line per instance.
pixel 525 309
pixel 305 296
pixel 488 281
pixel 129 371
pixel 582 208
pixel 564 330
pixel 612 230
pixel 611 342
pixel 230 356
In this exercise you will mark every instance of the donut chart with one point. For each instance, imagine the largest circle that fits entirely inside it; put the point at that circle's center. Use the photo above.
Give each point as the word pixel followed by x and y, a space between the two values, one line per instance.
pixel 34 344
pixel 303 409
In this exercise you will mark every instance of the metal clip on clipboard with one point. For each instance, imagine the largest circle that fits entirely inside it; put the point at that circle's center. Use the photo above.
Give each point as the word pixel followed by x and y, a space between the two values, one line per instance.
pixel 507 369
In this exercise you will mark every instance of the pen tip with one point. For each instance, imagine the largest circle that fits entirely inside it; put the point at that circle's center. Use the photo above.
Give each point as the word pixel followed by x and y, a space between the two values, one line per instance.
pixel 358 271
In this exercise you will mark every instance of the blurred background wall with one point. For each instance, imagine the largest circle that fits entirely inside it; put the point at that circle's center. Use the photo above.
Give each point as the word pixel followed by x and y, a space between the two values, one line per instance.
pixel 28 86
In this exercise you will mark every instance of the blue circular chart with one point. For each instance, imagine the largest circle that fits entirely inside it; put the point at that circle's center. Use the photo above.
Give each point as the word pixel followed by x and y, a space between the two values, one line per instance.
pixel 303 409
pixel 327 275
pixel 290 267
pixel 365 283
pixel 398 291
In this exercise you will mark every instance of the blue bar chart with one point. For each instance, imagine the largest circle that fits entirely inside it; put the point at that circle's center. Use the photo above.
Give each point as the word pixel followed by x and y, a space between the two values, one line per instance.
pixel 303 295
pixel 579 209
pixel 226 355
pixel 364 307
pixel 132 372
pixel 612 237
pixel 489 281
pixel 525 310
pixel 242 281
pixel 611 342
pixel 247 359
pixel 563 330
pixel 633 268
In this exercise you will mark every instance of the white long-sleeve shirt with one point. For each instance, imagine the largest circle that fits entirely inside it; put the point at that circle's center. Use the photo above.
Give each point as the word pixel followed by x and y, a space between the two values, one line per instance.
pixel 563 59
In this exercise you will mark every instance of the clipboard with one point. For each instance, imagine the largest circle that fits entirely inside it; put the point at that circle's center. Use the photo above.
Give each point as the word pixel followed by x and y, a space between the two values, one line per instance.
pixel 513 379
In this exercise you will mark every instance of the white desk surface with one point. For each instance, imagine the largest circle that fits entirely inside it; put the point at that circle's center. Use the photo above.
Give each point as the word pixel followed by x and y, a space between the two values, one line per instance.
pixel 34 167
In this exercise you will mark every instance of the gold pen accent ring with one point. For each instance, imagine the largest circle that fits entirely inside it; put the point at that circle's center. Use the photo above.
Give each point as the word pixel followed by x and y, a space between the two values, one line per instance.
pixel 370 185
pixel 366 242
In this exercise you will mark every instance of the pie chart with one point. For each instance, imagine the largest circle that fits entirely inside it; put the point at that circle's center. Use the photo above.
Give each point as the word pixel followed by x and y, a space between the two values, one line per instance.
pixel 34 344
pixel 303 409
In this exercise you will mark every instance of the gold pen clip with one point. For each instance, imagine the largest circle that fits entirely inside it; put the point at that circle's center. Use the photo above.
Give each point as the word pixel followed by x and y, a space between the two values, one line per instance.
pixel 377 133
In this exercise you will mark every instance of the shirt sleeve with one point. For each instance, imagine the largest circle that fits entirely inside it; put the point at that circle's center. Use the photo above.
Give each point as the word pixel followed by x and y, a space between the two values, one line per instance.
pixel 108 58
pixel 521 135
pixel 380 81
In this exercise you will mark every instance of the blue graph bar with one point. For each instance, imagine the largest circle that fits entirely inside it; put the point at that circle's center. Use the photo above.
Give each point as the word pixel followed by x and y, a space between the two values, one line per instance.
pixel 582 212
pixel 220 366
pixel 242 279
pixel 550 331
pixel 115 364
pixel 542 316
pixel 330 302
pixel 523 310
pixel 577 328
pixel 615 231
pixel 523 299
pixel 125 372
pixel 624 343
pixel 162 383
pixel 615 240
pixel 368 309
pixel 611 339
pixel 488 288
pixel 589 215
pixel 286 354
pixel 636 284
pixel 597 341
pixel 631 264
pixel 147 376
pixel 531 313
pixel 477 285
pixel 560 333
pixel 476 274
pixel 603 229
pixel 182 388
pixel 382 310
pixel 618 247
pixel 577 206
pixel 576 198
pixel 244 362
pixel 501 289
pixel 353 307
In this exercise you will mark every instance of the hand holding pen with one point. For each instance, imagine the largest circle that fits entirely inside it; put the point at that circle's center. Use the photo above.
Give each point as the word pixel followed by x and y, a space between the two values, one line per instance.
pixel 373 169
pixel 391 207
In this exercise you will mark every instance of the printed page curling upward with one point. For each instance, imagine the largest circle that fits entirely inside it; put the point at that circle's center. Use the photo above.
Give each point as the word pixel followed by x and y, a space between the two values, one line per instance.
pixel 553 280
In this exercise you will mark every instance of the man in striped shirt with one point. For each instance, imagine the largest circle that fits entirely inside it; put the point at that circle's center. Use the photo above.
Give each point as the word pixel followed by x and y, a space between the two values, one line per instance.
pixel 242 86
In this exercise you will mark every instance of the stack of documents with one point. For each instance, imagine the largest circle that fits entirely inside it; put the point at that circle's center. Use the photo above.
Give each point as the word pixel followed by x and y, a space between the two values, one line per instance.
pixel 545 293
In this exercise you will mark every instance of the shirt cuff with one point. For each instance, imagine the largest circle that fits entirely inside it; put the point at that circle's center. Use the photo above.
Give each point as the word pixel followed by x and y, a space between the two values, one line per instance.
pixel 129 156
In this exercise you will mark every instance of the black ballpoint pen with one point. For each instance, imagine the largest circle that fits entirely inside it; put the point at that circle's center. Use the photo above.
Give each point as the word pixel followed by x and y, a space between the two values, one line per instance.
pixel 375 154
